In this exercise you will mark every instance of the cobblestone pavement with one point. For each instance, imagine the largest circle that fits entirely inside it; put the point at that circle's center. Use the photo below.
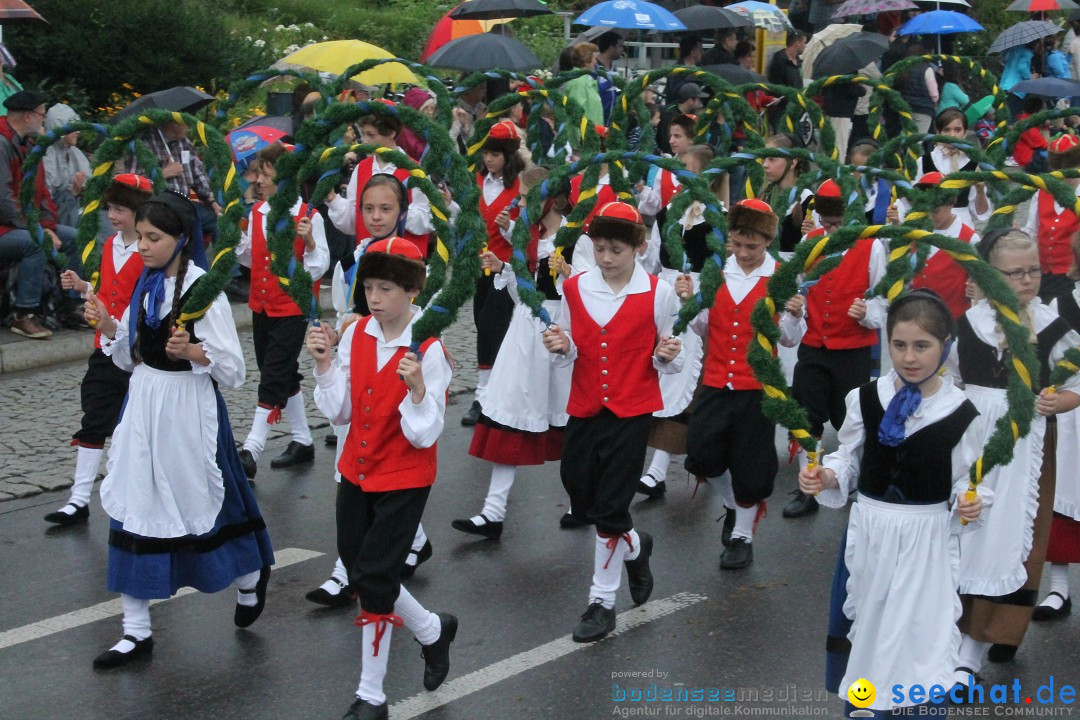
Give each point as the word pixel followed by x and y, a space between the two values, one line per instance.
pixel 40 411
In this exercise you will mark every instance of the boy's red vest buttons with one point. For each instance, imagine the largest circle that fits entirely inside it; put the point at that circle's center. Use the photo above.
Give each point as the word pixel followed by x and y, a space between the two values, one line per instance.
pixel 266 295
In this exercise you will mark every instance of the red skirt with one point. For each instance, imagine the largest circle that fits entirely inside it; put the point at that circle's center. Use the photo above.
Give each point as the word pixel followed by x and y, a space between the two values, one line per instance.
pixel 1064 540
pixel 504 446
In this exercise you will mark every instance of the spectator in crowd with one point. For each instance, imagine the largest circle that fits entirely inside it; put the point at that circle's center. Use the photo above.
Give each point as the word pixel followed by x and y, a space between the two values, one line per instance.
pixel 1019 66
pixel 8 84
pixel 1055 64
pixel 584 89
pixel 610 47
pixel 66 167
pixel 423 101
pixel 690 55
pixel 1074 46
pixel 690 98
pixel 821 12
pixel 840 102
pixel 724 52
pixel 952 95
pixel 469 108
pixel 784 68
pixel 746 54
pixel 918 86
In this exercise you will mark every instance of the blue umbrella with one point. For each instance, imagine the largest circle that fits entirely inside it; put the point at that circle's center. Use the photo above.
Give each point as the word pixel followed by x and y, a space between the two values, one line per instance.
pixel 630 14
pixel 939 22
pixel 1048 87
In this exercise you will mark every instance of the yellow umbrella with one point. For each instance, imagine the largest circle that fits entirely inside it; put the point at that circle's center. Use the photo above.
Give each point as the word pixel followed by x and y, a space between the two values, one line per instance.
pixel 336 56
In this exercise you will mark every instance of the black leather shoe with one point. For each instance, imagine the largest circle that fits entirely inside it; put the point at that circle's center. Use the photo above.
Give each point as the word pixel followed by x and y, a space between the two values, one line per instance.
pixel 595 624
pixel 1000 653
pixel 437 654
pixel 737 555
pixel 421 557
pixel 114 658
pixel 803 504
pixel 340 599
pixel 294 455
pixel 569 521
pixel 80 516
pixel 490 529
pixel 473 415
pixel 639 576
pixel 363 710
pixel 245 614
pixel 330 440
pixel 654 492
pixel 247 460
pixel 729 525
pixel 1042 612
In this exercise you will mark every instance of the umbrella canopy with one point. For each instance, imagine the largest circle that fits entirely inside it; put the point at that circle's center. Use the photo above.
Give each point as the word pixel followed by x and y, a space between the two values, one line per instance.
pixel 850 54
pixel 448 29
pixel 707 17
pixel 337 56
pixel 870 7
pixel 1022 34
pixel 178 99
pixel 763 15
pixel 823 39
pixel 735 74
pixel 1048 87
pixel 255 134
pixel 630 14
pixel 935 4
pixel 17 10
pixel 499 9
pixel 1042 5
pixel 484 52
pixel 939 22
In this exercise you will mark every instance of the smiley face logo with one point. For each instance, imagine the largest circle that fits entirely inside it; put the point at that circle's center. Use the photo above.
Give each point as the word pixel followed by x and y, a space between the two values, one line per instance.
pixel 861 693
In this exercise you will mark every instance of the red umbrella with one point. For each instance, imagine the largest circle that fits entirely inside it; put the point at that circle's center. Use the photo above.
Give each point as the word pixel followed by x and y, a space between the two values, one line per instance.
pixel 1042 5
pixel 14 10
pixel 256 134
pixel 448 29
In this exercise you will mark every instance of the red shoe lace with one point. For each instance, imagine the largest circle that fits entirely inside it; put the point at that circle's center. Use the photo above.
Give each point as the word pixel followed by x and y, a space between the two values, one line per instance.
pixel 274 417
pixel 380 621
pixel 762 511
pixel 793 450
pixel 613 542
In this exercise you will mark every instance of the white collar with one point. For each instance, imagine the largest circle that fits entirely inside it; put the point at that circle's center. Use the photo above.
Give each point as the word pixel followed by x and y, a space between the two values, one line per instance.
pixel 593 279
pixel 765 269
pixel 264 207
pixel 374 329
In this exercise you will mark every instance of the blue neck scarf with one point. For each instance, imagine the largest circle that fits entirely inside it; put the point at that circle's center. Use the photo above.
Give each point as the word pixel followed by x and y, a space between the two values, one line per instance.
pixel 151 285
pixel 892 431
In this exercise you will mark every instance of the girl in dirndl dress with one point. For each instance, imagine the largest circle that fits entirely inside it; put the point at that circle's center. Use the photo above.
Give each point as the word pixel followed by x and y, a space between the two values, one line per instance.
pixel 906 444
pixel 182 511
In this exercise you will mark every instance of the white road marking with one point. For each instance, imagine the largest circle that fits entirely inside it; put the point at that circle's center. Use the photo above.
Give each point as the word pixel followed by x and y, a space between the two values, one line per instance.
pixel 112 608
pixel 517 664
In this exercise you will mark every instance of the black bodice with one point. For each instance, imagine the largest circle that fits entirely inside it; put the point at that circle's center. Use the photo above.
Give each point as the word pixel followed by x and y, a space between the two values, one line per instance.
pixel 694 244
pixel 151 343
pixel 979 362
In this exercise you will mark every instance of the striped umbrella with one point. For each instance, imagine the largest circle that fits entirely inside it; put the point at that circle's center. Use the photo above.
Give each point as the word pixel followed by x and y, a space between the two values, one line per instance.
pixel 1022 34
pixel 871 7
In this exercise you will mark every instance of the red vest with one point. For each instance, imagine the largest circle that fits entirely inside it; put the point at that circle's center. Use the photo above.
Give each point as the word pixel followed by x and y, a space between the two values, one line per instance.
pixel 496 242
pixel 377 456
pixel 730 335
pixel 827 321
pixel 115 288
pixel 604 195
pixel 1055 236
pixel 266 295
pixel 614 367
pixel 946 277
pixel 668 187
pixel 364 170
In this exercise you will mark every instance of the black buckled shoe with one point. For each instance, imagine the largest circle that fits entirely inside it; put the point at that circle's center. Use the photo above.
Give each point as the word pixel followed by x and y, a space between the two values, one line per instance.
pixel 651 491
pixel 490 529
pixel 247 461
pixel 245 615
pixel 1042 613
pixel 595 624
pixel 570 521
pixel 437 654
pixel 1000 653
pixel 341 598
pixel 59 517
pixel 330 440
pixel 802 505
pixel 363 710
pixel 294 454
pixel 729 525
pixel 639 576
pixel 114 658
pixel 473 415
pixel 418 557
pixel 737 555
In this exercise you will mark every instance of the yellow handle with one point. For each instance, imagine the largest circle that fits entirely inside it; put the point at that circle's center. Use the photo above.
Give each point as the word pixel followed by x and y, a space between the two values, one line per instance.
pixel 487 270
pixel 970 496
pixel 811 463
pixel 554 269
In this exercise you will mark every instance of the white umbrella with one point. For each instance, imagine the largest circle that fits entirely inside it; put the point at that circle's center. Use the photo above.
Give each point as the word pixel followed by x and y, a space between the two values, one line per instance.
pixel 822 40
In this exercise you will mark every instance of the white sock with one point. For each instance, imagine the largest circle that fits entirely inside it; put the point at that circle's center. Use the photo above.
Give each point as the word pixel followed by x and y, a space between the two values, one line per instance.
pixel 424 624
pixel 296 414
pixel 482 377
pixel 607 570
pixel 260 428
pixel 635 541
pixel 136 622
pixel 245 585
pixel 658 468
pixel 419 539
pixel 744 523
pixel 972 653
pixel 87 461
pixel 502 479
pixel 373 667
pixel 723 485
pixel 340 573
pixel 1059 583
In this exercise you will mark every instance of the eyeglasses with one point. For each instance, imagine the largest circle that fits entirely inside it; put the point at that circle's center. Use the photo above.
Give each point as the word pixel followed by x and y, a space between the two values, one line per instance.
pixel 1034 273
pixel 38 112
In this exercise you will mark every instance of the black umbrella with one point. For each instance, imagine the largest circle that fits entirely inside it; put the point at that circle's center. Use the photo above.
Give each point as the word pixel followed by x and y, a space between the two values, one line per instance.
pixel 850 54
pixel 706 17
pixel 485 51
pixel 177 99
pixel 495 9
pixel 735 74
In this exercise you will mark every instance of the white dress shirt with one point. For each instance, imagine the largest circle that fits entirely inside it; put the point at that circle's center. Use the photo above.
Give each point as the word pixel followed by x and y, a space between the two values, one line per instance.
pixel 316 260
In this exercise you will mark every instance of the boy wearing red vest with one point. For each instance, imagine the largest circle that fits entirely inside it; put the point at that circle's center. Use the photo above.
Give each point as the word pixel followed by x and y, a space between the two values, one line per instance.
pixel 278 325
pixel 728 431
pixel 1055 226
pixel 656 196
pixel 841 328
pixel 615 312
pixel 394 403
pixel 104 386
pixel 941 273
